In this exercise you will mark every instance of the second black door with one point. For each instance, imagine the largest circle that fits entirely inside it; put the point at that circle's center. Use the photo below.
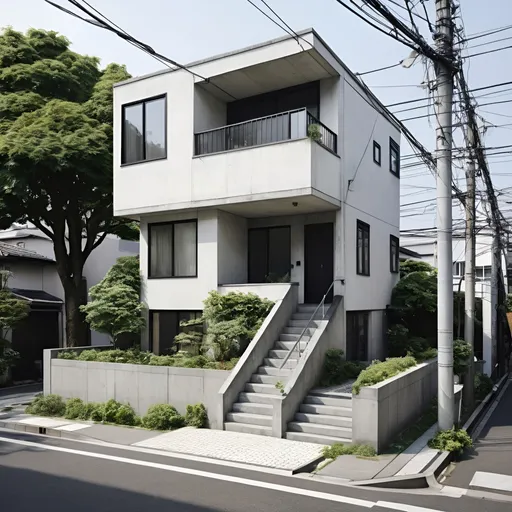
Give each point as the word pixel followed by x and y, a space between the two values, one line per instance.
pixel 318 261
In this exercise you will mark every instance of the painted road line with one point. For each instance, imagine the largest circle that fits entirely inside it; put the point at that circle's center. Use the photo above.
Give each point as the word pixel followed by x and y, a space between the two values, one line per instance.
pixel 494 481
pixel 404 507
pixel 205 474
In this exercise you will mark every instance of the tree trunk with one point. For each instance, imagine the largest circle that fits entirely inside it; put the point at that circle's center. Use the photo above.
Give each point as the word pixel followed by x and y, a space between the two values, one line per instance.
pixel 76 327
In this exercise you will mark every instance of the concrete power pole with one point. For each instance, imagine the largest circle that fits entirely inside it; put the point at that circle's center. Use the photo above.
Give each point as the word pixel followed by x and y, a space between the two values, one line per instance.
pixel 469 294
pixel 444 108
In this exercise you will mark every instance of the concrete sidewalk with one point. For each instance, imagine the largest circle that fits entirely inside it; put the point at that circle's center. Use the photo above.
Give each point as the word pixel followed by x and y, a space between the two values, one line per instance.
pixel 19 395
pixel 489 465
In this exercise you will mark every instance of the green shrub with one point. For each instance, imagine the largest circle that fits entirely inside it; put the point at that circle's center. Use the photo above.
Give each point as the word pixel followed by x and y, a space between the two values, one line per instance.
pixel 110 410
pixel 379 371
pixel 155 360
pixel 88 355
pixel 125 415
pixel 336 370
pixel 163 417
pixel 194 362
pixel 196 416
pixel 483 386
pixel 461 355
pixel 430 353
pixel 96 411
pixel 75 408
pixel 337 449
pixel 67 354
pixel 452 440
pixel 47 405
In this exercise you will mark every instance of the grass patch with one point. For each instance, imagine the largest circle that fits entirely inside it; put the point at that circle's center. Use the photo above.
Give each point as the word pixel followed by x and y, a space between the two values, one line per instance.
pixel 338 449
pixel 410 434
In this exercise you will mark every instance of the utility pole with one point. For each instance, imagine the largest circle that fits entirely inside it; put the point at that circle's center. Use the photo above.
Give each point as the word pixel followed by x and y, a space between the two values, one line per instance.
pixel 469 292
pixel 444 110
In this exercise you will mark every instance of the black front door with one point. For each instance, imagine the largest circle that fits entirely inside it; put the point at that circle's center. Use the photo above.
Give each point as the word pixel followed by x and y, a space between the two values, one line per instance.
pixel 318 261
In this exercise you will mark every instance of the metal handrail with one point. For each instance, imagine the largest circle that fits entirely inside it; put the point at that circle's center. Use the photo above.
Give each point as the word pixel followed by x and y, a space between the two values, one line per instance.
pixel 322 304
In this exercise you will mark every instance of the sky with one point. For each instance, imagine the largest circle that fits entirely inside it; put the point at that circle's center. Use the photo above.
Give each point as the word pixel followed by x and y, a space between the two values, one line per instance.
pixel 188 30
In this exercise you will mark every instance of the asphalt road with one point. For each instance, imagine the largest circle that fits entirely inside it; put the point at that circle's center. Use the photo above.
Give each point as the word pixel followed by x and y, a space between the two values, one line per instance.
pixel 43 473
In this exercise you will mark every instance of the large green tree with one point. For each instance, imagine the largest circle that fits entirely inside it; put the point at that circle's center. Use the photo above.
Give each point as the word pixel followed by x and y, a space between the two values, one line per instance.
pixel 56 153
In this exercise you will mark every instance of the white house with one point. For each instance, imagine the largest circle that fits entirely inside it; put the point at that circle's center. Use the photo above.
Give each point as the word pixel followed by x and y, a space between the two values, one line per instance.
pixel 269 163
pixel 28 254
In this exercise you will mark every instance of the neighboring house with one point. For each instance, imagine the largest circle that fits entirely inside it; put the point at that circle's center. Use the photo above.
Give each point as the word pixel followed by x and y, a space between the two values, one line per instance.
pixel 270 163
pixel 407 254
pixel 28 254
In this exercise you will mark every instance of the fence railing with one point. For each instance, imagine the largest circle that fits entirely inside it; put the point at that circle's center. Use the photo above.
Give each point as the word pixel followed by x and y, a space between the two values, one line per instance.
pixel 294 124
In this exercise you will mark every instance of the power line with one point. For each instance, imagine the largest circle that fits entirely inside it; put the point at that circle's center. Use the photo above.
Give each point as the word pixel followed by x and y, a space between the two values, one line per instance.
pixel 486 33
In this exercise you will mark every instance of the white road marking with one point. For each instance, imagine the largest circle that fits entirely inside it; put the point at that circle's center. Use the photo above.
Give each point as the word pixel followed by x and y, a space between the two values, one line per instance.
pixel 205 474
pixel 492 481
pixel 404 507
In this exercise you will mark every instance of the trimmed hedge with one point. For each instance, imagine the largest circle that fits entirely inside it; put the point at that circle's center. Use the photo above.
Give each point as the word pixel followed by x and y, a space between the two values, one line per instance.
pixel 380 371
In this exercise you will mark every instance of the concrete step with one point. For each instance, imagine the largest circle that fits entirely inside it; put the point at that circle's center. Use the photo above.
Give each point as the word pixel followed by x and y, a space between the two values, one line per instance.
pixel 272 370
pixel 323 419
pixel 259 430
pixel 257 398
pixel 276 363
pixel 298 330
pixel 253 408
pixel 268 389
pixel 322 430
pixel 324 400
pixel 326 410
pixel 249 419
pixel 293 337
pixel 281 354
pixel 322 392
pixel 267 379
pixel 306 316
pixel 315 438
pixel 287 345
pixel 306 308
pixel 302 323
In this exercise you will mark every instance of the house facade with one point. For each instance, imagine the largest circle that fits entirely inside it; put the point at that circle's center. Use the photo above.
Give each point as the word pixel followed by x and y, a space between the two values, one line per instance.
pixel 270 164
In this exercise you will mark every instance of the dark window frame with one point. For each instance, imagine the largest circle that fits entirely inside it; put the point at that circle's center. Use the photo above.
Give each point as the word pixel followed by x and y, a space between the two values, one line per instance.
pixel 357 345
pixel 365 228
pixel 172 223
pixel 394 147
pixel 376 146
pixel 143 103
pixel 178 331
pixel 394 263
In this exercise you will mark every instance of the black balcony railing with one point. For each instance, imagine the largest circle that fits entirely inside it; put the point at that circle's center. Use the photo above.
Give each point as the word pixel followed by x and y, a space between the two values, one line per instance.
pixel 294 124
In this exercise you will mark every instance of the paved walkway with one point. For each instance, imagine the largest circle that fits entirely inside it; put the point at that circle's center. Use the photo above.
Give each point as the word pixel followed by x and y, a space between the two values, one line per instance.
pixel 489 465
pixel 17 395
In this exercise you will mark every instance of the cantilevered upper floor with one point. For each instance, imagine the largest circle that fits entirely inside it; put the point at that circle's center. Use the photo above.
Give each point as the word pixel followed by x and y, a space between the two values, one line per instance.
pixel 262 127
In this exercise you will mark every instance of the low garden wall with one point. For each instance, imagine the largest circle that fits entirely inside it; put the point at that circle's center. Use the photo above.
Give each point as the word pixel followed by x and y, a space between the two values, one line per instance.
pixel 139 385
pixel 380 412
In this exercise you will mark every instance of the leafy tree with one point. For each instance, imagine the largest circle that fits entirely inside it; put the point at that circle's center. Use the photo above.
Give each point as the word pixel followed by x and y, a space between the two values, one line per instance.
pixel 12 311
pixel 56 153
pixel 116 308
pixel 408 266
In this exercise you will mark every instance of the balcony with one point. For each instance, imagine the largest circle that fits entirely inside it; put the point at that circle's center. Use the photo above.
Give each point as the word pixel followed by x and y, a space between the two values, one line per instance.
pixel 291 125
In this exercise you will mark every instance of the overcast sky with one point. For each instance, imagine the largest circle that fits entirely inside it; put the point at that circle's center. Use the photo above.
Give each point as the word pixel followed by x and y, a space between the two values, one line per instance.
pixel 187 30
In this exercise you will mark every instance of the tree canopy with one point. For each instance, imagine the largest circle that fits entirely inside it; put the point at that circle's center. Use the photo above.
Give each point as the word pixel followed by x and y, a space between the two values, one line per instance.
pixel 56 152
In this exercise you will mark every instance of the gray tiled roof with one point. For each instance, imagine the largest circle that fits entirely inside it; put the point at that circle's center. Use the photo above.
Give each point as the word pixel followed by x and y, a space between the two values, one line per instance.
pixel 14 251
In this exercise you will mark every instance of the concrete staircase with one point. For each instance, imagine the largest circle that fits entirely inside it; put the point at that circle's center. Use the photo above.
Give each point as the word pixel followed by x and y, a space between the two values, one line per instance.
pixel 323 418
pixel 252 413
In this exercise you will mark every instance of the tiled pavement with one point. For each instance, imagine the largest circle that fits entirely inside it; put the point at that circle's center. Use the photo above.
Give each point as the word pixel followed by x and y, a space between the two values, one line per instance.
pixel 237 447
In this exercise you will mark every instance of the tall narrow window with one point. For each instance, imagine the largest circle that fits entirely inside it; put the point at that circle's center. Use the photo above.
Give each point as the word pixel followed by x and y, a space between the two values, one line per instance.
pixel 394 255
pixel 363 248
pixel 394 158
pixel 144 131
pixel 376 152
pixel 173 249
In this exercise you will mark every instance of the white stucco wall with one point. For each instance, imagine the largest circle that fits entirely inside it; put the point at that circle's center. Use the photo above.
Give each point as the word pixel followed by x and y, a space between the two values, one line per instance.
pixel 232 248
pixel 372 195
pixel 209 111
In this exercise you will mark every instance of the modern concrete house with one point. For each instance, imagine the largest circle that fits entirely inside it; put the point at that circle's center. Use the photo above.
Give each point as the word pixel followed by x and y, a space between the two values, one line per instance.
pixel 269 169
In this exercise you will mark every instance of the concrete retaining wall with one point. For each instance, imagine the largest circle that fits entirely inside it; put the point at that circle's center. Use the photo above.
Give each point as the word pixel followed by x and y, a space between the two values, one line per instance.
pixel 382 411
pixel 138 385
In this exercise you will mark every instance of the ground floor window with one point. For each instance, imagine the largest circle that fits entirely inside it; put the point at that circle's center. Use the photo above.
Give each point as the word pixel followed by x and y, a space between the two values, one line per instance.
pixel 269 254
pixel 164 326
pixel 357 335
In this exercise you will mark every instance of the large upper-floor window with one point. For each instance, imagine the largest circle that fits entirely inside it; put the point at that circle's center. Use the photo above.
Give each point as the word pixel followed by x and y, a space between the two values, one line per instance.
pixel 173 249
pixel 144 131
pixel 394 158
pixel 363 248
pixel 394 254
